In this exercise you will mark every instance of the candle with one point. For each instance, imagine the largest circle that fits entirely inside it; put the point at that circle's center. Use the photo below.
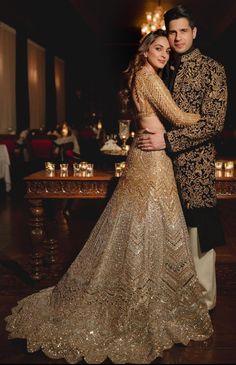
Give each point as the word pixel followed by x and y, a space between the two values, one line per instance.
pixel 50 168
pixel 83 168
pixel 99 125
pixel 118 169
pixel 229 165
pixel 76 168
pixel 218 165
pixel 63 169
pixel 229 173
pixel 89 170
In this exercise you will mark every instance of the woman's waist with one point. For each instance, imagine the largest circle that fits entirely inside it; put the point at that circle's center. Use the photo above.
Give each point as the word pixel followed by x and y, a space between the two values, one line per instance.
pixel 151 122
pixel 136 152
pixel 148 130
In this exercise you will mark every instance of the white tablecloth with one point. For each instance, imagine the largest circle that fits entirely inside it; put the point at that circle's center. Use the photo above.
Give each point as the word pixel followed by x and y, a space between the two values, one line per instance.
pixel 5 166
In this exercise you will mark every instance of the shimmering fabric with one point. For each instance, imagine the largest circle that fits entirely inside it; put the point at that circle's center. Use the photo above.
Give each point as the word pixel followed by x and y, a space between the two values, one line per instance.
pixel 153 97
pixel 132 292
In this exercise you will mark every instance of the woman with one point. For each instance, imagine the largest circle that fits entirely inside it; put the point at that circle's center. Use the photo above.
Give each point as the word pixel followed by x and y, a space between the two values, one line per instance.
pixel 66 140
pixel 132 292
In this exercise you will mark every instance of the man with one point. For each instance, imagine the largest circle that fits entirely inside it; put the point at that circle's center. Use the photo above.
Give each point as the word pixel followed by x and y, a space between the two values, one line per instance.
pixel 198 85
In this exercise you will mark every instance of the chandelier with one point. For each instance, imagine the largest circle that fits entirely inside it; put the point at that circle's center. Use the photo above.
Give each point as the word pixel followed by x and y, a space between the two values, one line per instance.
pixel 154 20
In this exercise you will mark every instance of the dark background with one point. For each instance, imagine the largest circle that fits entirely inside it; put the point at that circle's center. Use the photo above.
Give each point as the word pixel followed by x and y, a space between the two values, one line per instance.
pixel 97 38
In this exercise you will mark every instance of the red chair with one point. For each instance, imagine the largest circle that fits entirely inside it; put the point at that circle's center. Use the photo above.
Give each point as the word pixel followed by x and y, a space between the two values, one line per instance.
pixel 10 142
pixel 40 151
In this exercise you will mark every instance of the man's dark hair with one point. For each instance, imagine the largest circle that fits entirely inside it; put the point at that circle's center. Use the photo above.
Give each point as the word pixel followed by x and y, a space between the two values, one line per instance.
pixel 177 12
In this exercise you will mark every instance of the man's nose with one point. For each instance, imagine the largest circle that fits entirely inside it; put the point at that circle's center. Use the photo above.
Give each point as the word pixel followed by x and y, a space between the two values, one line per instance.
pixel 177 36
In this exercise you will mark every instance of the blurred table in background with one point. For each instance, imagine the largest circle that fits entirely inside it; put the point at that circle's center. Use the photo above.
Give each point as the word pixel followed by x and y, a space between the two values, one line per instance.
pixel 226 183
pixel 41 185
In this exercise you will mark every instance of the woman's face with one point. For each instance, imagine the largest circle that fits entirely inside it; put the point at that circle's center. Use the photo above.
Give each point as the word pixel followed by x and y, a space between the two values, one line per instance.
pixel 158 53
pixel 64 131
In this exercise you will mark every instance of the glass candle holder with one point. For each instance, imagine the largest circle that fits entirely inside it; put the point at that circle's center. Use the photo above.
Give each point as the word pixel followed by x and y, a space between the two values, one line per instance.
pixel 83 168
pixel 218 165
pixel 76 168
pixel 229 165
pixel 119 167
pixel 64 169
pixel 218 173
pixel 122 164
pixel 50 168
pixel 229 173
pixel 89 170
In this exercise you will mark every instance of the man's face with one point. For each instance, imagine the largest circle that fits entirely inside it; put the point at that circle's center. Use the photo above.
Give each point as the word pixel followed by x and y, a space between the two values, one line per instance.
pixel 181 35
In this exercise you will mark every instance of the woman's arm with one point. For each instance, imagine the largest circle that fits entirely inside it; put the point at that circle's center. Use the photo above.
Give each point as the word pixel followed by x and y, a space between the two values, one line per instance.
pixel 154 90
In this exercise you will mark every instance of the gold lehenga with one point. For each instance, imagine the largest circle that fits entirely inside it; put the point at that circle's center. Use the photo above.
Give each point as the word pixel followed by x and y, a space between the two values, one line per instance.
pixel 132 292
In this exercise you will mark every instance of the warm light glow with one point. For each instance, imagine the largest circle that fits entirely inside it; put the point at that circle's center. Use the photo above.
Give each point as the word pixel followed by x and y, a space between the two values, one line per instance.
pixel 57 82
pixel 1 65
pixel 33 75
pixel 154 20
pixel 99 125
pixel 65 130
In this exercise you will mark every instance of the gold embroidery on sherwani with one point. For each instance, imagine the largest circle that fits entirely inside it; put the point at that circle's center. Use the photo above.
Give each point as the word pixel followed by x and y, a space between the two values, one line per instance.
pixel 200 87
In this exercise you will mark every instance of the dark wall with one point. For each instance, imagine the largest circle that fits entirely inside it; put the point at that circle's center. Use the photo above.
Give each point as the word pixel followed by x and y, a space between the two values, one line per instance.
pixel 93 64
pixel 53 25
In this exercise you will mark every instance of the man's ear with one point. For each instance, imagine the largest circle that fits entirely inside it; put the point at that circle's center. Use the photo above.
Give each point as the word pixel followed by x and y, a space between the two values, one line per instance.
pixel 194 32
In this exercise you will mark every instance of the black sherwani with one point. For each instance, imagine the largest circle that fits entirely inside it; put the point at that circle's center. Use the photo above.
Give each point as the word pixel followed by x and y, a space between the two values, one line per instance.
pixel 198 85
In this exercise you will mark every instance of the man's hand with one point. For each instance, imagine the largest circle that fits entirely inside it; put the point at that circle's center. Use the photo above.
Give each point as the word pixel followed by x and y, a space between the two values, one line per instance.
pixel 150 141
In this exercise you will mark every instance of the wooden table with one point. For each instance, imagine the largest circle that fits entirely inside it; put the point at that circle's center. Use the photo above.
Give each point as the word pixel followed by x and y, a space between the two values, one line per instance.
pixel 226 184
pixel 41 185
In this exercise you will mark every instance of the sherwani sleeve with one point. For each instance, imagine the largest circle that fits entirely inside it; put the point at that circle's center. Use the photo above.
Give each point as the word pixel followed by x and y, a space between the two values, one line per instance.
pixel 152 88
pixel 213 111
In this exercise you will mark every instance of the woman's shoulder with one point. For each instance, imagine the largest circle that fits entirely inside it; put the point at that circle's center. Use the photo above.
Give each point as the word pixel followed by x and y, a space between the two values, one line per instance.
pixel 139 73
pixel 143 73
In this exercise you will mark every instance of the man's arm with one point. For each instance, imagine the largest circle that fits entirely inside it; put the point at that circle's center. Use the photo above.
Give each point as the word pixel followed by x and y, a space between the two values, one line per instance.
pixel 152 141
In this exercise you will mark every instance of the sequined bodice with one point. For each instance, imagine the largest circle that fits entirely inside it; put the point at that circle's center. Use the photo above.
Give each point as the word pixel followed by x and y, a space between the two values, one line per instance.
pixel 153 98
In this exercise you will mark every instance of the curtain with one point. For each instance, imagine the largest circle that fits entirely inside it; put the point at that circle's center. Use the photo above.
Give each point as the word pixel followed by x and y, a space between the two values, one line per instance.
pixel 7 79
pixel 51 112
pixel 36 82
pixel 60 89
pixel 22 91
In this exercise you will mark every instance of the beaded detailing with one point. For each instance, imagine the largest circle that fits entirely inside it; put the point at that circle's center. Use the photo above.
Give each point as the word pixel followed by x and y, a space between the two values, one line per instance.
pixel 153 97
pixel 132 292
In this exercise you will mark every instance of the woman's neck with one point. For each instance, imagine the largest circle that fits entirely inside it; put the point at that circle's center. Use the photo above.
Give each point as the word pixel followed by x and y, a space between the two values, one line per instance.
pixel 150 68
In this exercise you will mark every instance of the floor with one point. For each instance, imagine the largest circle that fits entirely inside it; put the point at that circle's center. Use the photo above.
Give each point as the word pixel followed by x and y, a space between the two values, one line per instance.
pixel 71 233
